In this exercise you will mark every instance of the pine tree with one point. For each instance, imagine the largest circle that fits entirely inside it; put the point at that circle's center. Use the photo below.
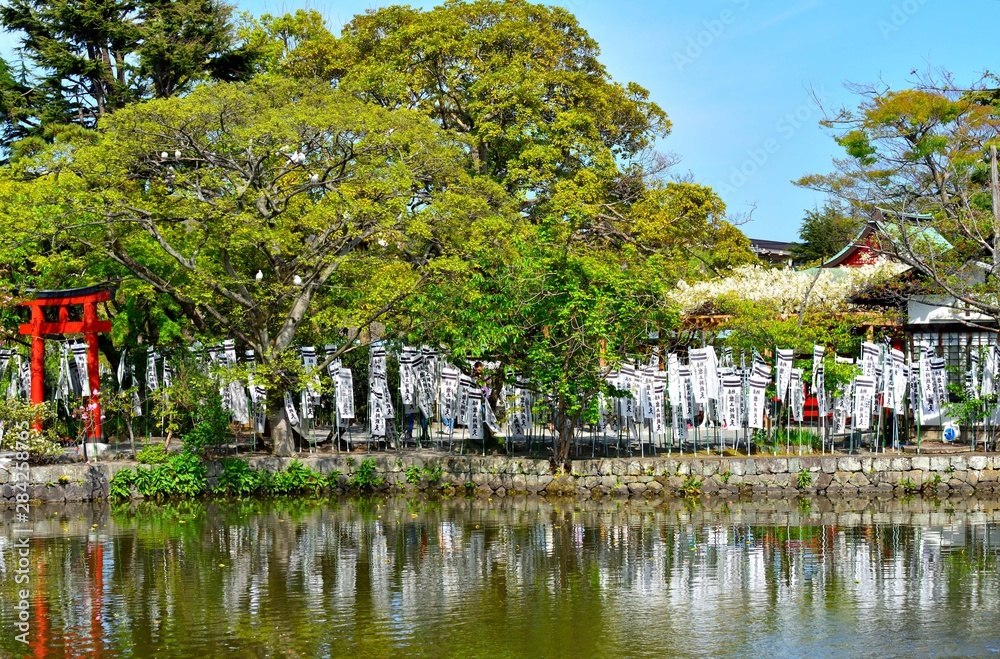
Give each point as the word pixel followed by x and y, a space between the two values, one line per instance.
pixel 83 59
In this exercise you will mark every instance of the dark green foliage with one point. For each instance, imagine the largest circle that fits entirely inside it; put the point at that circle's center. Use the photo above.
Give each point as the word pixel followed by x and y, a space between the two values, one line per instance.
pixel 88 58
pixel 296 479
pixel 413 475
pixel 237 478
pixel 825 232
pixel 211 426
pixel 182 475
pixel 365 478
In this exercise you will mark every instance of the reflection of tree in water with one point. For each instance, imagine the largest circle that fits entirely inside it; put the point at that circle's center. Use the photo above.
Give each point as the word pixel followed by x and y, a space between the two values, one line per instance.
pixel 464 576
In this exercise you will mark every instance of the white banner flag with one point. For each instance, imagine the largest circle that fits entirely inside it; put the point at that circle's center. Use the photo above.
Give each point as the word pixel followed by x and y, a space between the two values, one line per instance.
pixel 864 397
pixel 784 373
pixel 732 401
pixel 757 399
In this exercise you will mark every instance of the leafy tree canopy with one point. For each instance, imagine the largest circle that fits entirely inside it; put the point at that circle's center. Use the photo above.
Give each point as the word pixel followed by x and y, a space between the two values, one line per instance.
pixel 927 157
pixel 824 232
pixel 81 59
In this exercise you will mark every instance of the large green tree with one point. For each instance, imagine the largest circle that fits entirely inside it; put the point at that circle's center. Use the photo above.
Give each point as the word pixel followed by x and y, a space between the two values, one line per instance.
pixel 337 204
pixel 82 59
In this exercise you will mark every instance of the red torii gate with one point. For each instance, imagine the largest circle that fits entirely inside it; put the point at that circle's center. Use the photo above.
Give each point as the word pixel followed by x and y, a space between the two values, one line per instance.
pixel 90 326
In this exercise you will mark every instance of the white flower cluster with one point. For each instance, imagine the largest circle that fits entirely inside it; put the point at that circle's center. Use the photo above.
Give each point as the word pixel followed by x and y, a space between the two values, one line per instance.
pixel 785 288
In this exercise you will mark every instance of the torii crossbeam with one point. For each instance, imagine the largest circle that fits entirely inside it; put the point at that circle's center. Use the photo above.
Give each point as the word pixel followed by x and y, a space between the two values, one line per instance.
pixel 90 326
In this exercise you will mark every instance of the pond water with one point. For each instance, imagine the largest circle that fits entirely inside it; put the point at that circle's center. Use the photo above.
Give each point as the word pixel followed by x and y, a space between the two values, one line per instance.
pixel 507 578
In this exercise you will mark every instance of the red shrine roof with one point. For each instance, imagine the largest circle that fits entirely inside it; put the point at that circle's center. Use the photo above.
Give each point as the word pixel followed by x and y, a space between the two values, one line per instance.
pixel 867 248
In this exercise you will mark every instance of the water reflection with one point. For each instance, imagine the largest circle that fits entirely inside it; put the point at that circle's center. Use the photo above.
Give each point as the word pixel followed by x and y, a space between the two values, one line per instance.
pixel 509 578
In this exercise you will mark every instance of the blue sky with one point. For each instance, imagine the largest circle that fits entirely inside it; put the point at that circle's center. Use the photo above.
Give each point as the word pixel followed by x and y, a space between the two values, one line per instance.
pixel 735 77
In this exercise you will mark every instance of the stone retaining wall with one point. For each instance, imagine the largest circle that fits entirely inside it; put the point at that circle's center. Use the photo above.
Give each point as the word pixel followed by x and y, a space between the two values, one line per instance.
pixel 756 477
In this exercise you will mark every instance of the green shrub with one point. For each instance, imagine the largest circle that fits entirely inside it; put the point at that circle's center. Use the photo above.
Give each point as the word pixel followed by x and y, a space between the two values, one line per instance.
pixel 238 479
pixel 805 479
pixel 433 475
pixel 153 454
pixel 182 475
pixel 691 487
pixel 296 479
pixel 364 478
pixel 39 446
pixel 211 426
pixel 121 485
pixel 413 475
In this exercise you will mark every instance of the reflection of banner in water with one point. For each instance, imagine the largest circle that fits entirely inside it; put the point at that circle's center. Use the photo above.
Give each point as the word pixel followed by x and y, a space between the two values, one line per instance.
pixel 345 394
pixel 864 397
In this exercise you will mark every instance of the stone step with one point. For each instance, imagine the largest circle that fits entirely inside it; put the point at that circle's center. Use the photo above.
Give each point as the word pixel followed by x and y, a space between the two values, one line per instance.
pixel 937 448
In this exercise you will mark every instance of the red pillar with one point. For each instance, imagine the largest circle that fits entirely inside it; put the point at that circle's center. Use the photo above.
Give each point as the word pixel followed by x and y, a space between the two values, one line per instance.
pixel 93 366
pixel 37 363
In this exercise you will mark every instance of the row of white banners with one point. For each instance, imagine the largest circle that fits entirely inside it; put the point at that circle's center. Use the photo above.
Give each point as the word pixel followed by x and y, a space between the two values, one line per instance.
pixel 699 390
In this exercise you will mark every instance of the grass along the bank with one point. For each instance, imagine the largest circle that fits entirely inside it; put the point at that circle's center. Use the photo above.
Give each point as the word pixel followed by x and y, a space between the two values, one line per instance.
pixel 162 475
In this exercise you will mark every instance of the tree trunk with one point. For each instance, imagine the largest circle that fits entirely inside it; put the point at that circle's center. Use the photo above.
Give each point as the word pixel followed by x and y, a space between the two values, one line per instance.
pixel 565 427
pixel 282 433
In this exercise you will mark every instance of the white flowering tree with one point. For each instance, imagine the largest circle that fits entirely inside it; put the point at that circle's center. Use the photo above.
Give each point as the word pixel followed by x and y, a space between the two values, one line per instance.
pixel 765 307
